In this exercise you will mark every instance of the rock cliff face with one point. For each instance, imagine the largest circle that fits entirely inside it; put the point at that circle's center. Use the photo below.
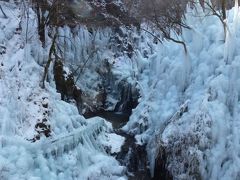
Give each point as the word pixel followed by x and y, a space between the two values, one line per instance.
pixel 111 93
pixel 93 70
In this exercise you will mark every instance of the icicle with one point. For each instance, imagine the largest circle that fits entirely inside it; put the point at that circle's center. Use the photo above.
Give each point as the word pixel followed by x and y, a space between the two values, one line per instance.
pixel 86 144
pixel 90 144
pixel 65 148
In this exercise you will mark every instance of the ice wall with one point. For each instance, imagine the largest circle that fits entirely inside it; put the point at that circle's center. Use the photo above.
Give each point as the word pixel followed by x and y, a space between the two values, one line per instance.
pixel 201 140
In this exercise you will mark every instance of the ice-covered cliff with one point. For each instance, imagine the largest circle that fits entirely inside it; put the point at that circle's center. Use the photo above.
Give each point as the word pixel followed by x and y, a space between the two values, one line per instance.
pixel 41 136
pixel 189 106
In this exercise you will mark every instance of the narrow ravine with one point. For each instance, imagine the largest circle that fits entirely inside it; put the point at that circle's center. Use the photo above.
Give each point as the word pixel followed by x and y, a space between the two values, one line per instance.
pixel 132 155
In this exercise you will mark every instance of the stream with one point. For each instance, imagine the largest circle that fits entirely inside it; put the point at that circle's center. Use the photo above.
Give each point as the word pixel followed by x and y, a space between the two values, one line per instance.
pixel 133 156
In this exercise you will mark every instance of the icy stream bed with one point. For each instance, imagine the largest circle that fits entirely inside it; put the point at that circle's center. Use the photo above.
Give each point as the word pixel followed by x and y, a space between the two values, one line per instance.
pixel 131 155
pixel 117 120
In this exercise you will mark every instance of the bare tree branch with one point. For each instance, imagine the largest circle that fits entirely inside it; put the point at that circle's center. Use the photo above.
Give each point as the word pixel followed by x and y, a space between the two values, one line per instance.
pixel 52 51
pixel 4 14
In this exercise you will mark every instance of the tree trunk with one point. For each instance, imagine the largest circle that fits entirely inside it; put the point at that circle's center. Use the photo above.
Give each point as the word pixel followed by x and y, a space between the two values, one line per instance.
pixel 223 6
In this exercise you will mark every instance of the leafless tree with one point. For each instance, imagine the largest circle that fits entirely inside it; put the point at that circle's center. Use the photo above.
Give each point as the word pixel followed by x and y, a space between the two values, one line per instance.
pixel 164 16
pixel 52 52
pixel 217 8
